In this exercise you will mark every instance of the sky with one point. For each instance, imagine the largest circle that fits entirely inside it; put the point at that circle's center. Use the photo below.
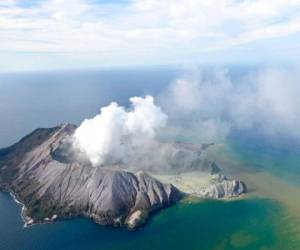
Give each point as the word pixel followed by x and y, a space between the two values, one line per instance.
pixel 63 34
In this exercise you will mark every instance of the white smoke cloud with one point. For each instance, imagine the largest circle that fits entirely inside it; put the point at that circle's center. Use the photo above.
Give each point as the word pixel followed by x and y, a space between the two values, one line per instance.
pixel 268 101
pixel 198 104
pixel 278 100
pixel 184 94
pixel 109 137
pixel 213 105
pixel 203 107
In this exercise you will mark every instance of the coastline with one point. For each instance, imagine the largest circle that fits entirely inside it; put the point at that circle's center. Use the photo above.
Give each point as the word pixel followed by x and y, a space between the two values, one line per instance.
pixel 28 221
pixel 22 209
pixel 201 184
pixel 192 184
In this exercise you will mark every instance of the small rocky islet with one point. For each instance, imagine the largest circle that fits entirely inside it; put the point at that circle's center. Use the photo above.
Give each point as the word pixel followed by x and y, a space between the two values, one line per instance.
pixel 53 184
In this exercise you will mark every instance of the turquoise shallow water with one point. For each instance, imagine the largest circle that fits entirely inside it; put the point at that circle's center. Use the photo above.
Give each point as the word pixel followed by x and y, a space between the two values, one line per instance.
pixel 243 224
pixel 280 160
pixel 28 101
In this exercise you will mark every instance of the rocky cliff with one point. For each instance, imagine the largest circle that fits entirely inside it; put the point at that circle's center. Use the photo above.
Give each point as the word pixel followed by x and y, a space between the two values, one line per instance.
pixel 52 182
pixel 51 189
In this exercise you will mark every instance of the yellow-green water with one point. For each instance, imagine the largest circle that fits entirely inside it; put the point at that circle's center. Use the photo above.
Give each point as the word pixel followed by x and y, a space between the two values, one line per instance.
pixel 265 181
pixel 267 219
pixel 253 223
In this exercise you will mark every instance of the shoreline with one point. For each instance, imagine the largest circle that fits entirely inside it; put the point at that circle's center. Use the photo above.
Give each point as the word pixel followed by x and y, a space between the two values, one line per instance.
pixel 192 190
pixel 200 184
pixel 22 209
pixel 28 221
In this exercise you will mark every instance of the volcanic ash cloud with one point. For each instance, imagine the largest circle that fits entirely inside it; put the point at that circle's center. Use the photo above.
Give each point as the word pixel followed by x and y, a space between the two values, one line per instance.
pixel 109 137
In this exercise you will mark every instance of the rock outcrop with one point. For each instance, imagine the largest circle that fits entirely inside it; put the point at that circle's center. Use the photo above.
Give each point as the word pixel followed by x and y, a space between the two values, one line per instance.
pixel 51 189
pixel 52 181
pixel 220 187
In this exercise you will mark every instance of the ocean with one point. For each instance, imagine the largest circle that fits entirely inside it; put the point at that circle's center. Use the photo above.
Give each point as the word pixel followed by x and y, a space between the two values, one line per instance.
pixel 268 218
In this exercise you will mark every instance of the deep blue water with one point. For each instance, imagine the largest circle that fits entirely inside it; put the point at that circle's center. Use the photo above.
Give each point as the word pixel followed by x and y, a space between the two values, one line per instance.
pixel 44 99
pixel 249 224
pixel 31 100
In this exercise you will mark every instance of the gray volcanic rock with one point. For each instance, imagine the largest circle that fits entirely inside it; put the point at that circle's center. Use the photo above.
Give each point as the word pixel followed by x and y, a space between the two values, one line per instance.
pixel 51 185
pixel 221 187
pixel 52 181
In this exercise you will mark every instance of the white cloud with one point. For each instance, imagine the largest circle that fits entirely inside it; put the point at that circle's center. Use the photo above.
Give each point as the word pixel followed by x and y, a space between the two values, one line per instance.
pixel 84 33
pixel 68 26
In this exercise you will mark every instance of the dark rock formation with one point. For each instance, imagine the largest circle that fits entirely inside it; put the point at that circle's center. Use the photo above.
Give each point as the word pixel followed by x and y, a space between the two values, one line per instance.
pixel 52 181
pixel 43 176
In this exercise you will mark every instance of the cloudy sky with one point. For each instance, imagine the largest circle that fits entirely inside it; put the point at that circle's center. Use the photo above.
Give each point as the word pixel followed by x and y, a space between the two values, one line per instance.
pixel 54 34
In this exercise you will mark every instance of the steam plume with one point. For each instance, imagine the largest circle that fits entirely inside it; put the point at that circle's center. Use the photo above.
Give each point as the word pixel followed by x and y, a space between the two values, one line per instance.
pixel 205 108
pixel 213 106
pixel 109 137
